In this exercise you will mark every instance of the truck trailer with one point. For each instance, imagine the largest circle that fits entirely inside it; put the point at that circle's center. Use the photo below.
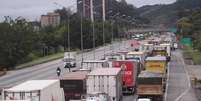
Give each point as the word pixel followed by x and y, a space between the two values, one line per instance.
pixel 156 64
pixel 35 90
pixel 74 85
pixel 107 80
pixel 129 75
pixel 150 85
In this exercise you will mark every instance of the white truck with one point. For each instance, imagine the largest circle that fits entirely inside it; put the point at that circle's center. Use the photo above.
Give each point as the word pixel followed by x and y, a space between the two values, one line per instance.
pixel 69 59
pixel 107 80
pixel 35 90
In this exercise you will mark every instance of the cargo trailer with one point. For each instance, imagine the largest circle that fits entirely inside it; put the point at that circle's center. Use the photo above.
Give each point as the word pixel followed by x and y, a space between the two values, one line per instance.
pixel 74 85
pixel 35 90
pixel 150 85
pixel 93 64
pixel 107 80
pixel 130 70
pixel 156 64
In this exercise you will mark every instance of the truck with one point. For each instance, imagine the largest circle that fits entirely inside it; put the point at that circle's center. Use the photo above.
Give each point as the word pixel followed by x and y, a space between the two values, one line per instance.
pixel 129 75
pixel 93 64
pixel 113 56
pixel 163 50
pixel 137 55
pixel 156 64
pixel 150 86
pixel 35 90
pixel 147 48
pixel 74 85
pixel 69 59
pixel 107 80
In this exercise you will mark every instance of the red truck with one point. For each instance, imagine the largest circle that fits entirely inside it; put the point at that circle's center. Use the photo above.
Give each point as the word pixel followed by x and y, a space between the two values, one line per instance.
pixel 130 71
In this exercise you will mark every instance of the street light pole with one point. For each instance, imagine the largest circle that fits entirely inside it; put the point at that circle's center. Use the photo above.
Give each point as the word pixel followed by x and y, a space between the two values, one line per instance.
pixel 104 36
pixel 81 36
pixel 69 33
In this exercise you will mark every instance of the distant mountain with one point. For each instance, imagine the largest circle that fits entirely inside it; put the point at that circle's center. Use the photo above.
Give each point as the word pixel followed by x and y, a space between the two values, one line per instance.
pixel 168 14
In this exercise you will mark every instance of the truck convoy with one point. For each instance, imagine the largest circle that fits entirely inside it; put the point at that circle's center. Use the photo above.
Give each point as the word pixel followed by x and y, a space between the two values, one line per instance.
pixel 35 90
pixel 142 72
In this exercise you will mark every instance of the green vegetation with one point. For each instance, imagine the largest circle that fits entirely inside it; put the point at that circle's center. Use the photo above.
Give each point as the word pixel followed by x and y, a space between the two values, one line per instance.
pixel 168 14
pixel 41 60
pixel 190 26
pixel 190 53
pixel 22 42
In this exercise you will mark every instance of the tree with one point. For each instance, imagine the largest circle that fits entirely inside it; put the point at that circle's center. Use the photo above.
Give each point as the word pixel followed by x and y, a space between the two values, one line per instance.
pixel 16 41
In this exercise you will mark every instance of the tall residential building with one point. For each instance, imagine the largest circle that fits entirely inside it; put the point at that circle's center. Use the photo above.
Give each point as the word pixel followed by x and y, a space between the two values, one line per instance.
pixel 51 19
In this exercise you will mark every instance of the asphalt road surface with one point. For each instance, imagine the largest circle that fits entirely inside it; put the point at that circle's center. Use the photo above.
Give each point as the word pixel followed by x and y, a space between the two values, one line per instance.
pixel 179 88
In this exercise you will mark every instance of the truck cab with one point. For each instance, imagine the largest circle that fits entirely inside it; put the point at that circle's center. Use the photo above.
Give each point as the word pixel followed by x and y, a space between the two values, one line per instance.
pixel 69 59
pixel 113 56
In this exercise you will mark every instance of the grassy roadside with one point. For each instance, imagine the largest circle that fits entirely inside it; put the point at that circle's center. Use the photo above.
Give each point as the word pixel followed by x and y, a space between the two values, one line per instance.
pixel 195 55
pixel 45 59
pixel 41 60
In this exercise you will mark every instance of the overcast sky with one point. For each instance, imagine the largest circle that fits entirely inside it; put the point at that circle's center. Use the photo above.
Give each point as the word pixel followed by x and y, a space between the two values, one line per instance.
pixel 32 9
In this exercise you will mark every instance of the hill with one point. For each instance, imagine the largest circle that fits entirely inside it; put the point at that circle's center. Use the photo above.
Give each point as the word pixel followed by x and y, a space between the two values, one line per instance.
pixel 168 14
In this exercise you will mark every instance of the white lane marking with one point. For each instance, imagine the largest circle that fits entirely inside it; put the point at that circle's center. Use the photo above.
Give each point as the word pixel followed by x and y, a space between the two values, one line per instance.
pixel 189 83
pixel 167 84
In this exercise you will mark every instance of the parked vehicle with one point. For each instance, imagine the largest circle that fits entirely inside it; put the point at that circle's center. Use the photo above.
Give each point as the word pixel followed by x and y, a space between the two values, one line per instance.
pixel 106 80
pixel 35 90
pixel 129 75
pixel 74 85
pixel 150 85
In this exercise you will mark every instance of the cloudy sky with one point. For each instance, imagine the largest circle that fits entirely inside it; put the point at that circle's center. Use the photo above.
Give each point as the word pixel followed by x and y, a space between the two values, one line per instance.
pixel 32 9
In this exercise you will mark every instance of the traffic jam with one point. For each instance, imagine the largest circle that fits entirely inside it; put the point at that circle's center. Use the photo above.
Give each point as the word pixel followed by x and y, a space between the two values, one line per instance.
pixel 140 70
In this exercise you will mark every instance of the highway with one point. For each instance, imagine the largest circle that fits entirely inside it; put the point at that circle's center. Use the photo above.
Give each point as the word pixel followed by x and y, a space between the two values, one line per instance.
pixel 178 85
